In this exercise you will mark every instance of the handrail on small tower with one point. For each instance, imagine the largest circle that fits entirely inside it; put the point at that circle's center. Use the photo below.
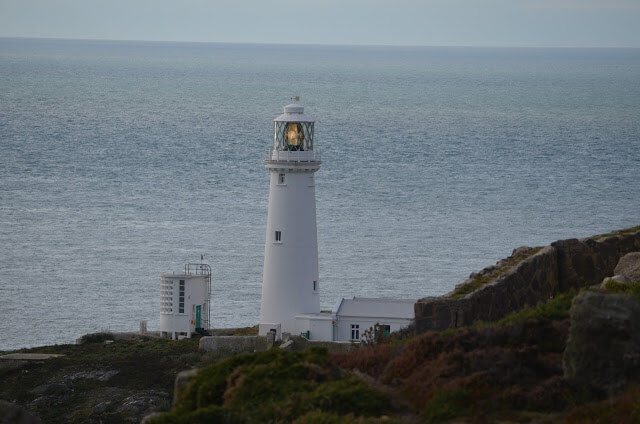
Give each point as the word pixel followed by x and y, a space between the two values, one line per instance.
pixel 197 269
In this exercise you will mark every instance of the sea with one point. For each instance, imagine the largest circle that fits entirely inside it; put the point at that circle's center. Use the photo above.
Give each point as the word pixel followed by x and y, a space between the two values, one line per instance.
pixel 123 160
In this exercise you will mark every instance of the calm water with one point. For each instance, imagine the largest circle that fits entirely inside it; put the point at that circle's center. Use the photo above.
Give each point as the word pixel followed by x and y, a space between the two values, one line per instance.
pixel 120 161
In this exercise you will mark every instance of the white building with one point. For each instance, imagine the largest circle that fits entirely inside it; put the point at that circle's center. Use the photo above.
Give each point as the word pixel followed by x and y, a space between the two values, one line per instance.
pixel 357 315
pixel 291 284
pixel 351 318
pixel 185 301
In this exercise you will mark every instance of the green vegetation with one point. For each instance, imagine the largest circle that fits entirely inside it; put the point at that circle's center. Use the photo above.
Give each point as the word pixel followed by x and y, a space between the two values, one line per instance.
pixel 622 232
pixel 624 409
pixel 101 371
pixel 480 280
pixel 554 309
pixel 275 386
pixel 246 331
pixel 446 405
pixel 613 286
pixel 509 371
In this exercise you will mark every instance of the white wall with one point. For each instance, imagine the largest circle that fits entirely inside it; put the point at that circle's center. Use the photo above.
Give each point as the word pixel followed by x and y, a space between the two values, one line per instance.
pixel 345 322
pixel 320 327
pixel 196 293
pixel 291 264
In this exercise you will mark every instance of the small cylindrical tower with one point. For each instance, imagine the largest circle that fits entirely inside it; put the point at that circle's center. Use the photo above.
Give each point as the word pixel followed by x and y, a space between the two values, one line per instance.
pixel 185 301
pixel 290 283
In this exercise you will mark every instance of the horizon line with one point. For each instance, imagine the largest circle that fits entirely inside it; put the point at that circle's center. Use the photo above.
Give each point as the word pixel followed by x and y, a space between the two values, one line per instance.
pixel 319 44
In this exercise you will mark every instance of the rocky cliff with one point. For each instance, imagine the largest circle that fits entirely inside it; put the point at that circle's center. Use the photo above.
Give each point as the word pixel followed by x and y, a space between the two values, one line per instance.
pixel 528 277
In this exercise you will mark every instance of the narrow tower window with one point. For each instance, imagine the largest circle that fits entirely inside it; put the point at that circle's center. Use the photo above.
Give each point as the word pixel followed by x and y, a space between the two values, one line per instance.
pixel 278 236
pixel 315 286
pixel 181 298
pixel 280 178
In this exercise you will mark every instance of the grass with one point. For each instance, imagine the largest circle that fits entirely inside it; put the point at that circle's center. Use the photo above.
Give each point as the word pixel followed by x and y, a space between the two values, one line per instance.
pixel 554 309
pixel 612 286
pixel 622 232
pixel 446 405
pixel 68 388
pixel 246 331
pixel 624 409
pixel 480 280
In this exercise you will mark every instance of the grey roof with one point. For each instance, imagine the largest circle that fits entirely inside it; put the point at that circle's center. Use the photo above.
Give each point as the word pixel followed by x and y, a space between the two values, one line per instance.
pixel 376 308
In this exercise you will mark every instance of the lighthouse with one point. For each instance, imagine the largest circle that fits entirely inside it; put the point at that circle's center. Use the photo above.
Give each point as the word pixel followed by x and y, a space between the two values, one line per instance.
pixel 290 281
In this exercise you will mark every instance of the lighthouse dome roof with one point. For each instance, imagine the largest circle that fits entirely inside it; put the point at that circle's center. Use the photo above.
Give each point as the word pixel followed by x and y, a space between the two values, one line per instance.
pixel 293 113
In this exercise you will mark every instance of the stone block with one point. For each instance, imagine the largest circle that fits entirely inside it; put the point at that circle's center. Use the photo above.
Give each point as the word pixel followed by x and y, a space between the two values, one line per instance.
pixel 629 266
pixel 234 344
pixel 603 349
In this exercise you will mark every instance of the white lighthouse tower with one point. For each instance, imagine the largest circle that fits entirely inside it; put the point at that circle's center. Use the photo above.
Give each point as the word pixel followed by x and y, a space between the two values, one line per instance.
pixel 290 284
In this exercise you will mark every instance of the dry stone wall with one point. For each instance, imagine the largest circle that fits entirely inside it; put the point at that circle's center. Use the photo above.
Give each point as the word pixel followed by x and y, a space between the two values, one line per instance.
pixel 557 268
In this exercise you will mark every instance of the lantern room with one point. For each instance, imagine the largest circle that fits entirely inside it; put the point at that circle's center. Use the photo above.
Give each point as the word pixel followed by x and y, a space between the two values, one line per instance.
pixel 293 131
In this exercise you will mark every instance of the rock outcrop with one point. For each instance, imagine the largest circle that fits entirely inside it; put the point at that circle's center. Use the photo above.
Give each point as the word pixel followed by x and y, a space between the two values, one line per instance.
pixel 629 267
pixel 527 278
pixel 603 349
pixel 13 414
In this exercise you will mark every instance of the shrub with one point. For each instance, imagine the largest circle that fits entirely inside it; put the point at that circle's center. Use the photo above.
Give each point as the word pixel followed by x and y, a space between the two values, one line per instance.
pixel 372 360
pixel 210 414
pixel 447 404
pixel 276 386
pixel 624 409
pixel 96 338
pixel 350 395
pixel 321 417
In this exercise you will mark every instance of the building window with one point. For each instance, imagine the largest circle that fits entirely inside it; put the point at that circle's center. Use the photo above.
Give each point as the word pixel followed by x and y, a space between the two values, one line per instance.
pixel 382 330
pixel 281 179
pixel 315 286
pixel 355 331
pixel 278 236
pixel 181 298
pixel 167 296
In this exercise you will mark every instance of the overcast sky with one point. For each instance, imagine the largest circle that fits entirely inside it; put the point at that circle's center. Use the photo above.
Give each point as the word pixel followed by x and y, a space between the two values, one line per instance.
pixel 571 23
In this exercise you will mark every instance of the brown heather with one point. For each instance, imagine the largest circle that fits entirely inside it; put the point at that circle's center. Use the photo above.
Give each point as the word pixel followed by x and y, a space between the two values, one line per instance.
pixel 516 366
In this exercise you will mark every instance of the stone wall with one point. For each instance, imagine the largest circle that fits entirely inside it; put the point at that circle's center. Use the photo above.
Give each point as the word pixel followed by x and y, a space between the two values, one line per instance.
pixel 563 265
pixel 300 343
pixel 235 344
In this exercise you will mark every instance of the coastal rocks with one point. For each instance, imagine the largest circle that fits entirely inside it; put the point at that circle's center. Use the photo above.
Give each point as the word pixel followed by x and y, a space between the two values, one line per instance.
pixel 585 262
pixel 504 288
pixel 182 380
pixel 13 414
pixel 98 401
pixel 140 404
pixel 50 389
pixel 603 349
pixel 112 404
pixel 100 375
pixel 627 271
pixel 629 267
pixel 616 278
pixel 510 285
